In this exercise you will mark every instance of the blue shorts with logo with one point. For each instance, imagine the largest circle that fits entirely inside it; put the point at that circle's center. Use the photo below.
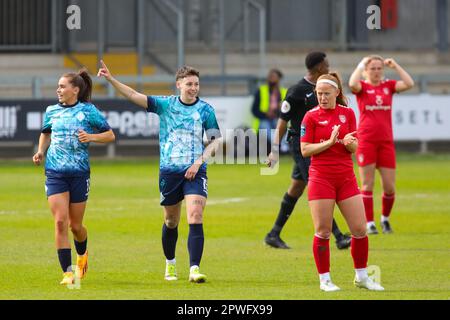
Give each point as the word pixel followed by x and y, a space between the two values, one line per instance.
pixel 78 187
pixel 174 186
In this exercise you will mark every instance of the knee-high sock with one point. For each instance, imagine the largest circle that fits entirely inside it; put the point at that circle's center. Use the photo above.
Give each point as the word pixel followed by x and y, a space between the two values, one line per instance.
pixel 368 204
pixel 387 204
pixel 321 250
pixel 286 208
pixel 196 240
pixel 81 247
pixel 169 241
pixel 360 252
pixel 65 259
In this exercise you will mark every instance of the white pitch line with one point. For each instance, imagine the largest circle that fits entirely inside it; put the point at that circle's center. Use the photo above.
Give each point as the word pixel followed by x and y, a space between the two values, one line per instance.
pixel 225 201
pixel 5 212
pixel 417 195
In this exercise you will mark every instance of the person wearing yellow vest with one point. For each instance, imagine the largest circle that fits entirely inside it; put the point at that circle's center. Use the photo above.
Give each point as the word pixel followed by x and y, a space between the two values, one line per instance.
pixel 267 102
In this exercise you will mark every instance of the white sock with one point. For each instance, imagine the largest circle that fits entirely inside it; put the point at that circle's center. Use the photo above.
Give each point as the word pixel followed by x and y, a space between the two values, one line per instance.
pixel 324 277
pixel 361 274
pixel 370 223
pixel 384 219
pixel 173 261
pixel 192 268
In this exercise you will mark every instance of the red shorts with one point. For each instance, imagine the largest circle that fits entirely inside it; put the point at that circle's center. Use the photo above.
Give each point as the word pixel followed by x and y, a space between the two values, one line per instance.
pixel 338 188
pixel 380 153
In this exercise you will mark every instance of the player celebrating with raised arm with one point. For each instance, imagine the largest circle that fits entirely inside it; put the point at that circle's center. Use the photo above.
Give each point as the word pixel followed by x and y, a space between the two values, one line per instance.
pixel 67 130
pixel 376 148
pixel 300 98
pixel 183 121
pixel 328 137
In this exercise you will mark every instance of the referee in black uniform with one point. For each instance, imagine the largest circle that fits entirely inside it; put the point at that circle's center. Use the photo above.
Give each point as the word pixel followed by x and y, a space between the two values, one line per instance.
pixel 300 98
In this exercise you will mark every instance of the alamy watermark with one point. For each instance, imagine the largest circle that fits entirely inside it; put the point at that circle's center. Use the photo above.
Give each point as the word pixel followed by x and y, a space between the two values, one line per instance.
pixel 76 285
pixel 73 22
pixel 244 146
pixel 374 20
pixel 374 272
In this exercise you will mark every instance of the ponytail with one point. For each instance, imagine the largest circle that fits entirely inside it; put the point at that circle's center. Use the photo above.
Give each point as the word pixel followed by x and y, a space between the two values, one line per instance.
pixel 83 81
pixel 85 92
pixel 334 76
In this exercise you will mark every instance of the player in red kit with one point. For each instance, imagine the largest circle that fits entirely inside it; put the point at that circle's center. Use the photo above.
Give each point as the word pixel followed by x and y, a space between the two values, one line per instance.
pixel 328 137
pixel 376 148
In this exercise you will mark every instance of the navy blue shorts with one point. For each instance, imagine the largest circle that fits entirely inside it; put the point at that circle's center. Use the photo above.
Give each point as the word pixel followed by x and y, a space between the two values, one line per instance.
pixel 174 186
pixel 78 187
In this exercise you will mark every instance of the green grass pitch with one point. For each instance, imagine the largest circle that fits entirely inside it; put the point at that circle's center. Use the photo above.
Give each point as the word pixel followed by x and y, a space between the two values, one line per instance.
pixel 124 222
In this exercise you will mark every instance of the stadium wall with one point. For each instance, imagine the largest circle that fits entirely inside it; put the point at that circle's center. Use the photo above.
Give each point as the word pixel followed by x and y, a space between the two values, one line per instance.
pixel 306 23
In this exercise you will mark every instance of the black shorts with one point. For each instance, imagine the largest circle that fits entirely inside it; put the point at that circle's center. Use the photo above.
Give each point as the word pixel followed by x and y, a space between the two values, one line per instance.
pixel 301 164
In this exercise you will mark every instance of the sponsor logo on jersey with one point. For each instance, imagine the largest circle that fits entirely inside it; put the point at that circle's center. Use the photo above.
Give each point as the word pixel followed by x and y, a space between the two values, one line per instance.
pixel 370 91
pixel 323 123
pixel 343 118
pixel 285 107
pixel 308 95
pixel 372 108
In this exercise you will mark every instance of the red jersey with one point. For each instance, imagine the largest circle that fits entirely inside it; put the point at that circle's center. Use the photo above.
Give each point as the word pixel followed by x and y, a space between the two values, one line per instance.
pixel 375 111
pixel 316 127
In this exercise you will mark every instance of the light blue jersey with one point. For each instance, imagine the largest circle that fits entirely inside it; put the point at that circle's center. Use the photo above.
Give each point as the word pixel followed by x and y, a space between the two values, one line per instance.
pixel 181 131
pixel 67 156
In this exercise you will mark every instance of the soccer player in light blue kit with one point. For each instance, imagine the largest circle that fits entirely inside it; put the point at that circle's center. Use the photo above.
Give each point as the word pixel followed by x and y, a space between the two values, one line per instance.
pixel 67 130
pixel 184 120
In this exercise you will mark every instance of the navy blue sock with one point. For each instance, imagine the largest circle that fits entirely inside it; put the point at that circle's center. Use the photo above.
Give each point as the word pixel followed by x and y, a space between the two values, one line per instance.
pixel 65 259
pixel 169 241
pixel 196 241
pixel 80 247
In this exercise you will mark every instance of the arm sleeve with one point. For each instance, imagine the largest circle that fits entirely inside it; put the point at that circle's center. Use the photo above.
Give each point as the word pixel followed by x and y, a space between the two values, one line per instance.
pixel 391 85
pixel 46 124
pixel 289 103
pixel 98 120
pixel 363 88
pixel 212 127
pixel 255 106
pixel 157 104
pixel 307 129
pixel 351 120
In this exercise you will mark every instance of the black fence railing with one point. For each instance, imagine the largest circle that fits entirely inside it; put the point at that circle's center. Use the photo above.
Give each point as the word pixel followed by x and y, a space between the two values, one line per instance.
pixel 25 24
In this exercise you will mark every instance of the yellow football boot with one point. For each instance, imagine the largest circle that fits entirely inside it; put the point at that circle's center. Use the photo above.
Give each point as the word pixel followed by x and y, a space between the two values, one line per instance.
pixel 82 265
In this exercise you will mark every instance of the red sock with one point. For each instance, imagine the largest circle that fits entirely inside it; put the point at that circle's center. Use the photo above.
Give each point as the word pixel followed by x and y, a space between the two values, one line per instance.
pixel 368 204
pixel 321 250
pixel 388 202
pixel 360 252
